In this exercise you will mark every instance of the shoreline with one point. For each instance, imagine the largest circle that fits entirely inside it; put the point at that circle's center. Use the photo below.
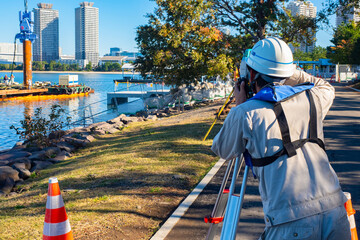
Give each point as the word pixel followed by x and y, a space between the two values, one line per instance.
pixel 76 72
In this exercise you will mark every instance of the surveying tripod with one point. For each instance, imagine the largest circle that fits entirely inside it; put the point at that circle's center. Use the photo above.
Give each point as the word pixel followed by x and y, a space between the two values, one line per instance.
pixel 229 201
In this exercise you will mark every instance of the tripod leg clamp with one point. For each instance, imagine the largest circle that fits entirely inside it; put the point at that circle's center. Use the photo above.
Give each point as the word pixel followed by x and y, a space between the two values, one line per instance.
pixel 214 220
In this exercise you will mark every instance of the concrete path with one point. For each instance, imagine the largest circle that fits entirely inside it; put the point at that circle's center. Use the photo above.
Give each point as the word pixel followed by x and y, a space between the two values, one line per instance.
pixel 342 137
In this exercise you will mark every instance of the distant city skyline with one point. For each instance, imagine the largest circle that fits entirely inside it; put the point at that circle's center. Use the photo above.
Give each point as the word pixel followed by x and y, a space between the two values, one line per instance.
pixel 118 20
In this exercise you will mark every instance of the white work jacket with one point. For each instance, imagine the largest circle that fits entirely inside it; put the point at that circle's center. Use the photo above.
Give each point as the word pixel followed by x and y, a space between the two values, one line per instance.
pixel 290 188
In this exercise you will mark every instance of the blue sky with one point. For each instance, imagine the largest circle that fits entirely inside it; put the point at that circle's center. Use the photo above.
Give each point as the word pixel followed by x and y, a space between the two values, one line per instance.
pixel 118 20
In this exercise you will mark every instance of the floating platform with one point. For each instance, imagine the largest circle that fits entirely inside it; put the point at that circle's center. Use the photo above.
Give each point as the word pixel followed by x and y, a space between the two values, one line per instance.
pixel 19 92
pixel 123 97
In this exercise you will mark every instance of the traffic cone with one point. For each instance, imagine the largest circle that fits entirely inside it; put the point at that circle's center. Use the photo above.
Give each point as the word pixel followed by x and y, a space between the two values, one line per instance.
pixel 56 224
pixel 350 212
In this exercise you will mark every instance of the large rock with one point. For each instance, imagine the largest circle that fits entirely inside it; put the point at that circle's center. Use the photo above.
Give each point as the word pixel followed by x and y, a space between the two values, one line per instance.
pixel 39 165
pixel 116 120
pixel 66 146
pixel 112 130
pixel 56 134
pixel 32 149
pixel 4 162
pixel 63 155
pixel 105 126
pixel 18 146
pixel 99 132
pixel 24 173
pixel 51 152
pixel 127 120
pixel 151 117
pixel 78 143
pixel 90 138
pixel 21 161
pixel 77 130
pixel 94 126
pixel 8 172
pixel 14 154
pixel 119 125
pixel 7 185
pixel 41 155
pixel 18 165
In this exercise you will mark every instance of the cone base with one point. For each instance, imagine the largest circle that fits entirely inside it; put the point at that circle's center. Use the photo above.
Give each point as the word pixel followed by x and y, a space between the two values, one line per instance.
pixel 67 236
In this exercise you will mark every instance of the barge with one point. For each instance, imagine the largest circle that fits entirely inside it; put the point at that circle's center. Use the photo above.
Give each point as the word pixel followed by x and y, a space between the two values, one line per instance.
pixel 68 85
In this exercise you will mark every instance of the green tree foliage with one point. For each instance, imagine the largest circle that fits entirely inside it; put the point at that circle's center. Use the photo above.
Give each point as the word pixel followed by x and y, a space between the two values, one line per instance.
pixel 181 43
pixel 317 53
pixel 88 66
pixel 108 66
pixel 346 42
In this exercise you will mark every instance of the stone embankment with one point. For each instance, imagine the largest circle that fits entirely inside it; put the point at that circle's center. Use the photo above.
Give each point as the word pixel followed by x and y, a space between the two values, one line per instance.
pixel 23 161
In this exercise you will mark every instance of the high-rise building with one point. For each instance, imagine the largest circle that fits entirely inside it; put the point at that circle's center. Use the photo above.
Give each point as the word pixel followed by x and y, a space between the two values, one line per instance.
pixel 46 27
pixel 115 51
pixel 300 8
pixel 353 14
pixel 7 51
pixel 87 32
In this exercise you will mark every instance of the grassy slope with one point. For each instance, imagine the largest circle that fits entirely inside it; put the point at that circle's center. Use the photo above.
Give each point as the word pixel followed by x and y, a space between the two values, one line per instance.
pixel 123 185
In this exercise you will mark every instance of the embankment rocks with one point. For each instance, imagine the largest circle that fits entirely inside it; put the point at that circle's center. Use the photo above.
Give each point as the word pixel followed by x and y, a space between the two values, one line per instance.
pixel 20 162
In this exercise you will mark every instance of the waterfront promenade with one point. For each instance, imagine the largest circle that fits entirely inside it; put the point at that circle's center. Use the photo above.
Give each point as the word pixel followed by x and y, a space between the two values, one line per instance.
pixel 342 135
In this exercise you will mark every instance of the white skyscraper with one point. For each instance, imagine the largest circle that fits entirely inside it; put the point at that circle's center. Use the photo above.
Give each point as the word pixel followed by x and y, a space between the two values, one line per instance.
pixel 87 32
pixel 46 27
pixel 307 9
pixel 353 14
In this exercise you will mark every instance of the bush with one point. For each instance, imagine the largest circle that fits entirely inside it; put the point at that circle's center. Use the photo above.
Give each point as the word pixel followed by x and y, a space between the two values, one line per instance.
pixel 36 129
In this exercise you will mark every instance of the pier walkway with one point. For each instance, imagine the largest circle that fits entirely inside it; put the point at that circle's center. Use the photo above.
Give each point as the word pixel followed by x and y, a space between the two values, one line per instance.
pixel 342 139
pixel 16 92
pixel 123 96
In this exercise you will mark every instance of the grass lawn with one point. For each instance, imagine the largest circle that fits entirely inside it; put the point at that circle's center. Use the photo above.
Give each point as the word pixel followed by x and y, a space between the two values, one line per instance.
pixel 124 185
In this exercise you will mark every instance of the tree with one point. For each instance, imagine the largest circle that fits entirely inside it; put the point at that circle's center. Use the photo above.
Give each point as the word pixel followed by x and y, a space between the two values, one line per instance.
pixel 181 43
pixel 36 128
pixel 318 53
pixel 346 44
pixel 88 67
pixel 51 66
pixel 260 18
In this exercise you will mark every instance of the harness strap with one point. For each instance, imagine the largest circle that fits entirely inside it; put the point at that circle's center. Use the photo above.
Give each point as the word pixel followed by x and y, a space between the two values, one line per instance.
pixel 284 128
pixel 290 147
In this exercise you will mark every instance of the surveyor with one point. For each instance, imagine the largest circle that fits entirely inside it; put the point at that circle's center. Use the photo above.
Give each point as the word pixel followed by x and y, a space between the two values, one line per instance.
pixel 281 129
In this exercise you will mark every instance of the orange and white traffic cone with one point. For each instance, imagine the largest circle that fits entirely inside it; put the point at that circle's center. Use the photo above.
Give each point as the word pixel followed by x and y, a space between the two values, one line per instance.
pixel 56 225
pixel 350 212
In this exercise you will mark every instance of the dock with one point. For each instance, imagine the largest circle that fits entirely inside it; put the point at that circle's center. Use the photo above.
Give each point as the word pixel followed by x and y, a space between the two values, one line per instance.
pixel 17 92
pixel 123 96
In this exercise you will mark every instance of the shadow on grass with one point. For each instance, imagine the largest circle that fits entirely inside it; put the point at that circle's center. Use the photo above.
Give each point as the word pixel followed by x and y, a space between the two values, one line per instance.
pixel 183 143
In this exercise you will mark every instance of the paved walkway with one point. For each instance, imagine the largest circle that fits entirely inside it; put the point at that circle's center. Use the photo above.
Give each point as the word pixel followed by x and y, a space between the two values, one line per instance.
pixel 342 137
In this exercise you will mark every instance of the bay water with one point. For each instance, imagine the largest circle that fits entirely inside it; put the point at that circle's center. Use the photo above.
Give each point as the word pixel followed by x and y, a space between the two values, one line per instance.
pixel 13 111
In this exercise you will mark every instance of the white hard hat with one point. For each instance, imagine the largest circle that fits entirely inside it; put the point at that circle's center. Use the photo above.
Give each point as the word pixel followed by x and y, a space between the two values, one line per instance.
pixel 272 57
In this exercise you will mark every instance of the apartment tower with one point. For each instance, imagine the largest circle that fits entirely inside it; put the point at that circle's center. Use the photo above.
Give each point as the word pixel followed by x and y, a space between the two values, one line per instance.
pixel 307 9
pixel 345 16
pixel 87 33
pixel 46 27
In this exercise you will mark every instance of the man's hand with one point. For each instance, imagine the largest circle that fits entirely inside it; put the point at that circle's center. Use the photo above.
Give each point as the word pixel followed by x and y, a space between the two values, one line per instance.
pixel 240 93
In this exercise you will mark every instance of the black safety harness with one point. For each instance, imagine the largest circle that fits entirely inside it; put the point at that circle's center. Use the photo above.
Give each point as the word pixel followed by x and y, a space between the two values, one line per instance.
pixel 289 146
